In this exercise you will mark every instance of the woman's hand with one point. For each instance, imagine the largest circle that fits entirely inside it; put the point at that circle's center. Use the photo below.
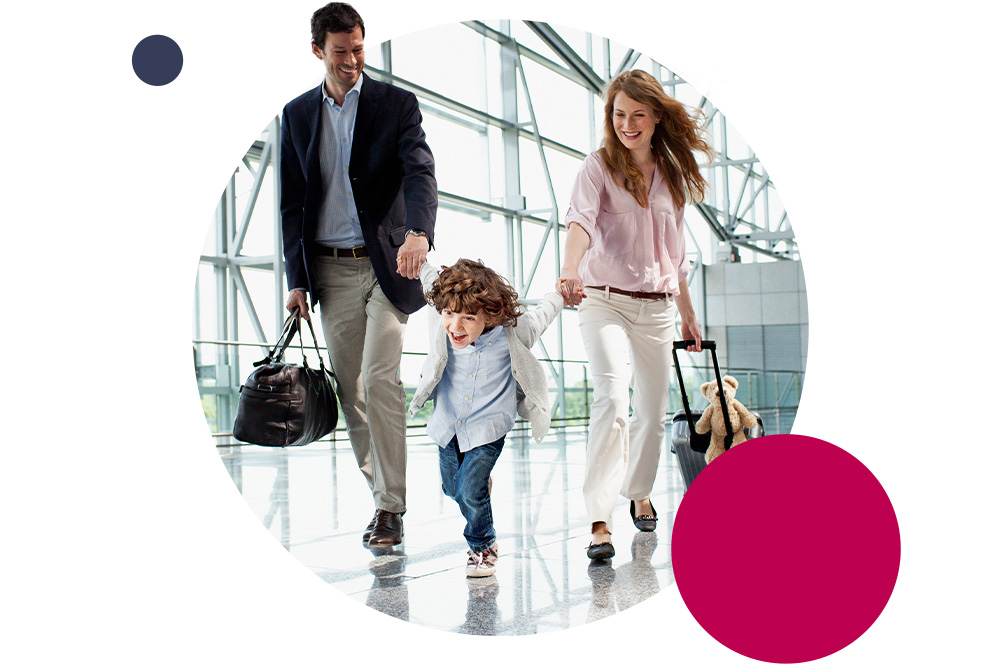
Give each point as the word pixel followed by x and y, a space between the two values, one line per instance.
pixel 570 286
pixel 691 330
pixel 689 322
pixel 569 283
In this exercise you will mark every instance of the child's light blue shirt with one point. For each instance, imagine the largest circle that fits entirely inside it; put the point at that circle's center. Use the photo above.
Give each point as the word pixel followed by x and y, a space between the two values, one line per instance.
pixel 476 399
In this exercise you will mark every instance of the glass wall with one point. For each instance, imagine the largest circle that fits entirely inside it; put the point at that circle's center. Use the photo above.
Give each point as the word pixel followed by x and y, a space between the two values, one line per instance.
pixel 510 109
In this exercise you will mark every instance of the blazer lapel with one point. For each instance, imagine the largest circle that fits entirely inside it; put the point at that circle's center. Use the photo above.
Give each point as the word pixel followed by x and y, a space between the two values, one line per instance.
pixel 368 102
pixel 312 156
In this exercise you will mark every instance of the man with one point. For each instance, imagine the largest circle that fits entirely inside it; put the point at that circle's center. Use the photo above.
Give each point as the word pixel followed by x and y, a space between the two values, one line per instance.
pixel 358 204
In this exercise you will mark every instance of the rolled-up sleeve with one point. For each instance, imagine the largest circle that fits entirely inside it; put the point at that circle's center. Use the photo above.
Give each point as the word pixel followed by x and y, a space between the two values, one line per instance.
pixel 585 197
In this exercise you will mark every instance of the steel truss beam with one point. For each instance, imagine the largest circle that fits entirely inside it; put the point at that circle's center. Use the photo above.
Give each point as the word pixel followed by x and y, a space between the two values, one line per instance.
pixel 566 53
pixel 465 112
pixel 526 52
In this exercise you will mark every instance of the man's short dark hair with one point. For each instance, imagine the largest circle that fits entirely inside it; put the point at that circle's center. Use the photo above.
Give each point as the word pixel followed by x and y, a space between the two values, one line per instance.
pixel 335 17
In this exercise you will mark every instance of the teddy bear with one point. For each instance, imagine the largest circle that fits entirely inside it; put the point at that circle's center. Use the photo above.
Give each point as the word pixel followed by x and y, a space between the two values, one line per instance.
pixel 712 418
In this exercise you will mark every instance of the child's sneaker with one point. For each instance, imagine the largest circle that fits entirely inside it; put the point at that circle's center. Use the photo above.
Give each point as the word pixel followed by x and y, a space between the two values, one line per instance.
pixel 482 564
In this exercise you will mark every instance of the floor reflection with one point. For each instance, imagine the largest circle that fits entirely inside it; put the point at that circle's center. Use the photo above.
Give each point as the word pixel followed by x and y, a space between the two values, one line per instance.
pixel 619 588
pixel 389 593
pixel 482 613
pixel 316 503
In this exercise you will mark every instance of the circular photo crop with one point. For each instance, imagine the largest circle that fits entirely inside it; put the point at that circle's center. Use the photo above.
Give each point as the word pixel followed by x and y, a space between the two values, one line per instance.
pixel 509 459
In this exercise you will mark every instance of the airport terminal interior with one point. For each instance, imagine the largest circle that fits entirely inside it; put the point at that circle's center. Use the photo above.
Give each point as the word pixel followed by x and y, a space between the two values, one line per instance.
pixel 509 123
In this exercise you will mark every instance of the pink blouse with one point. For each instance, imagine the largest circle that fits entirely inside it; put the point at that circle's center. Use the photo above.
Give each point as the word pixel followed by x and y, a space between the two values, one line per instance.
pixel 631 247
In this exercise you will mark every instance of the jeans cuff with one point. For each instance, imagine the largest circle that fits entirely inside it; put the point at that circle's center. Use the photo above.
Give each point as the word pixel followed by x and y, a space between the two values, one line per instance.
pixel 482 548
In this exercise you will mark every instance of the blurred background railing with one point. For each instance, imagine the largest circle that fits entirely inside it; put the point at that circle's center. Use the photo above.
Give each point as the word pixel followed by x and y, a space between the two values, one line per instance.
pixel 222 366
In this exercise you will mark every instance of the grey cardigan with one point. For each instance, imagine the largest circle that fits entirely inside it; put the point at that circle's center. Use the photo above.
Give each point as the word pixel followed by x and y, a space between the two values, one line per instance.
pixel 532 387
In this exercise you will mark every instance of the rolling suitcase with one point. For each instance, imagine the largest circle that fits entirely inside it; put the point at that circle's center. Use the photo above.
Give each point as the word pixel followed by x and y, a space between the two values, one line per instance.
pixel 689 446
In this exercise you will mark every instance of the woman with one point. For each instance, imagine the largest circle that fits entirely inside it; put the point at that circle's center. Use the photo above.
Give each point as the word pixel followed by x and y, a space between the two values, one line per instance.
pixel 625 256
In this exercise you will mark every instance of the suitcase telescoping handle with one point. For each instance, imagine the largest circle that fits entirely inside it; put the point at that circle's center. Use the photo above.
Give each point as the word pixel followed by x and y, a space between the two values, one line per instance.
pixel 710 345
pixel 684 343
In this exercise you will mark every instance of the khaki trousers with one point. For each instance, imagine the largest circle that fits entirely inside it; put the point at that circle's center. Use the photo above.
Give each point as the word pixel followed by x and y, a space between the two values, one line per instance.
pixel 364 335
pixel 623 452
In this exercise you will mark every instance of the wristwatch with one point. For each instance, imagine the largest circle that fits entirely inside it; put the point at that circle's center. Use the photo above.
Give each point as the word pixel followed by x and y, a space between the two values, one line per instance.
pixel 416 232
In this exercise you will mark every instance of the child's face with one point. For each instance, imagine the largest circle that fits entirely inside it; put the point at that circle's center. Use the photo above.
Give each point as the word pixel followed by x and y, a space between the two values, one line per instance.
pixel 463 329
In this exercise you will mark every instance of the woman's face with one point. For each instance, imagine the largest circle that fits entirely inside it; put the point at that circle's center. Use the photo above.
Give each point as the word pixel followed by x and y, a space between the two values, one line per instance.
pixel 633 122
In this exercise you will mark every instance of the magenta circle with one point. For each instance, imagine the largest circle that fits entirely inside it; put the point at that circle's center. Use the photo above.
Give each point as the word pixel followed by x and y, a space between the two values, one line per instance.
pixel 785 549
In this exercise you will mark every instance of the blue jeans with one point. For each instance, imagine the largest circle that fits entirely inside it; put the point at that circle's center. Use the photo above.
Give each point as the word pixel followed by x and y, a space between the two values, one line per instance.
pixel 465 478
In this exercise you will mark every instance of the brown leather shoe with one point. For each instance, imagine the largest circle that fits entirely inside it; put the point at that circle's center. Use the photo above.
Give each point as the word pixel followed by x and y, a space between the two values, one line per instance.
pixel 388 529
pixel 368 529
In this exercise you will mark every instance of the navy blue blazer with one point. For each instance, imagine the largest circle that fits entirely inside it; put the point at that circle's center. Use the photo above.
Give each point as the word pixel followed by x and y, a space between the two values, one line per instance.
pixel 392 177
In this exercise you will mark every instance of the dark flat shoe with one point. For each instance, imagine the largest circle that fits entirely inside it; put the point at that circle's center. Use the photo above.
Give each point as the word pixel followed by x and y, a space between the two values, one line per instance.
pixel 643 522
pixel 601 551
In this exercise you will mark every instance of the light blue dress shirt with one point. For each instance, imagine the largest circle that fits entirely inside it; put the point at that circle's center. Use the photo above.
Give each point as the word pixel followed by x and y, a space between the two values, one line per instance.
pixel 338 214
pixel 476 399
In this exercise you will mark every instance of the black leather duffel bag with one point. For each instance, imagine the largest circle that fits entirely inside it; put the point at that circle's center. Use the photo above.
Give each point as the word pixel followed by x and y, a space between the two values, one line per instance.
pixel 286 405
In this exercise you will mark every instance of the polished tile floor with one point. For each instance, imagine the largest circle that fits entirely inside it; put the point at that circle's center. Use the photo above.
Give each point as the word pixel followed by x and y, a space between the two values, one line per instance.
pixel 316 503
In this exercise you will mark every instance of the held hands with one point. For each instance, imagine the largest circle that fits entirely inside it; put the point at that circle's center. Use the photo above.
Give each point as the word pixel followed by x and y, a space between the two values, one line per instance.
pixel 691 330
pixel 411 256
pixel 570 286
pixel 297 300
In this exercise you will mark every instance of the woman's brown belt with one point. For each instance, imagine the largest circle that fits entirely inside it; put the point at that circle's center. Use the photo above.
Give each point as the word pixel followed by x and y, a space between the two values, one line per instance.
pixel 631 294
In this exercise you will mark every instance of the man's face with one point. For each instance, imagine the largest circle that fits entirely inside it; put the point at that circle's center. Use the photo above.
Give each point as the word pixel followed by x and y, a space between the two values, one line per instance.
pixel 343 54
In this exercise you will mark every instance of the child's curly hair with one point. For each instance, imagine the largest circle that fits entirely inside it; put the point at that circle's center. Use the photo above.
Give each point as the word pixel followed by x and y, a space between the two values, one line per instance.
pixel 469 287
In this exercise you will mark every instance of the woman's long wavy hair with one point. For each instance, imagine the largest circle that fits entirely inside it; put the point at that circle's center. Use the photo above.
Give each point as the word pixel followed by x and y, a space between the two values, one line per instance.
pixel 676 137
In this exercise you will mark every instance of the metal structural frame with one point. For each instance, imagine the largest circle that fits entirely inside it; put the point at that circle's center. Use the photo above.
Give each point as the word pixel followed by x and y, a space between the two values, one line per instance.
pixel 741 211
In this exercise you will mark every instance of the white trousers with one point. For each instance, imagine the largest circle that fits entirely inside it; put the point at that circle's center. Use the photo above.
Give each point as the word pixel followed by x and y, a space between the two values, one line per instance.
pixel 623 452
pixel 364 335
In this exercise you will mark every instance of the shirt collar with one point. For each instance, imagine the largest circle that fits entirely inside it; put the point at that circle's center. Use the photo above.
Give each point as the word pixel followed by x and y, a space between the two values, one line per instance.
pixel 488 336
pixel 356 90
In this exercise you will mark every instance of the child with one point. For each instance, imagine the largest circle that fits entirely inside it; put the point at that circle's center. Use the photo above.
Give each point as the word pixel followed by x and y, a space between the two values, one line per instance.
pixel 481 373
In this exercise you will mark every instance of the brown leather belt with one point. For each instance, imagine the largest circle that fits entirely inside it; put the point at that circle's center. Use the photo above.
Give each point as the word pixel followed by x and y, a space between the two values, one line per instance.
pixel 358 252
pixel 632 294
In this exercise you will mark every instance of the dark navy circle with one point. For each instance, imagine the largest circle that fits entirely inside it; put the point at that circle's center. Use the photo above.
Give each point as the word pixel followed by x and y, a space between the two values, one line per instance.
pixel 157 60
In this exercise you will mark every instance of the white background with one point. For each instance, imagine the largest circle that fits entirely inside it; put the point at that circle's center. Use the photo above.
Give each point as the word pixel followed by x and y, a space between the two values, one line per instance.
pixel 124 539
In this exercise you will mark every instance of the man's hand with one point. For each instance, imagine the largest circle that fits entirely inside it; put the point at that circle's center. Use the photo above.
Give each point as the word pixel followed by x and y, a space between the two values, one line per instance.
pixel 411 255
pixel 297 300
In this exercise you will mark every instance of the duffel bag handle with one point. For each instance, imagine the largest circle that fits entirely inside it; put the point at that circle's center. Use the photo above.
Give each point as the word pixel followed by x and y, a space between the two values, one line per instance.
pixel 284 339
pixel 292 326
pixel 710 345
pixel 305 362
